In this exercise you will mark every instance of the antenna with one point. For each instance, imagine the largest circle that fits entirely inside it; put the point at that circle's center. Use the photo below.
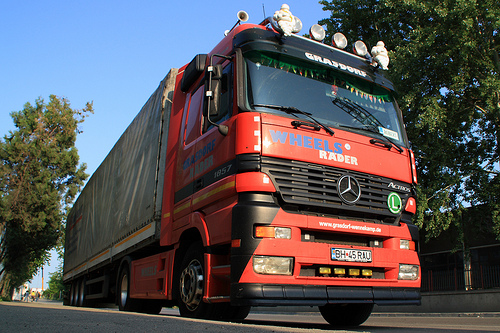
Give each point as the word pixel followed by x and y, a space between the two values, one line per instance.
pixel 264 11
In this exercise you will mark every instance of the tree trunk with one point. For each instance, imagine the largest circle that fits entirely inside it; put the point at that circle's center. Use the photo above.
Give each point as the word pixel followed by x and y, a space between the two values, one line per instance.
pixel 6 291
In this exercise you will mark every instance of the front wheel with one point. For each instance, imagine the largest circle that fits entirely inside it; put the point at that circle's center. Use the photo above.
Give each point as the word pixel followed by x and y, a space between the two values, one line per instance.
pixel 191 284
pixel 346 315
pixel 228 312
pixel 149 306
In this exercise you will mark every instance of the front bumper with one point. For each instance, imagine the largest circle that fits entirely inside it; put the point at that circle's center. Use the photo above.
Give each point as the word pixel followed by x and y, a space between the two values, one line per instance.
pixel 272 295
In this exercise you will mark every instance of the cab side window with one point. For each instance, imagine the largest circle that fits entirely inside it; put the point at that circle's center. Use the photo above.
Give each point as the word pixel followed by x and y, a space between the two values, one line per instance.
pixel 194 115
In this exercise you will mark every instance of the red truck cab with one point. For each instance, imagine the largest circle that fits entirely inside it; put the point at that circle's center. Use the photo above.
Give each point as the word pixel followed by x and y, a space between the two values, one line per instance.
pixel 306 195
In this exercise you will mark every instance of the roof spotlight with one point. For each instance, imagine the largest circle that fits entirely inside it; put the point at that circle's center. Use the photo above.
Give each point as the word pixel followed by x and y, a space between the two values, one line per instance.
pixel 360 48
pixel 297 24
pixel 339 40
pixel 317 32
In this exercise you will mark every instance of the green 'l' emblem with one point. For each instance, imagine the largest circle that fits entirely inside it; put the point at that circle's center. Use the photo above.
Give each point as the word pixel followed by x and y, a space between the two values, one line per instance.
pixel 394 203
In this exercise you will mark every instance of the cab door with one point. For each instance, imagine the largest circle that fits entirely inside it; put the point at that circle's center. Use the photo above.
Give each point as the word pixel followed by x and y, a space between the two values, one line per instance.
pixel 191 128
pixel 205 155
pixel 215 164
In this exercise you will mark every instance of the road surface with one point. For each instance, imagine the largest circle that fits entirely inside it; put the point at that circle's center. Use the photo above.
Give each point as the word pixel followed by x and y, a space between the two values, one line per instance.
pixel 46 316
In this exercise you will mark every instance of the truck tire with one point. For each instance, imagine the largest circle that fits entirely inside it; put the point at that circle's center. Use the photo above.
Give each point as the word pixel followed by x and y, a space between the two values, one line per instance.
pixel 149 306
pixel 125 303
pixel 346 315
pixel 72 293
pixel 228 312
pixel 80 299
pixel 191 284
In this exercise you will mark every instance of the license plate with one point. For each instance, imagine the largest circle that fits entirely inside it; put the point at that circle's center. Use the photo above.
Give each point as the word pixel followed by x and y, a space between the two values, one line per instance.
pixel 351 255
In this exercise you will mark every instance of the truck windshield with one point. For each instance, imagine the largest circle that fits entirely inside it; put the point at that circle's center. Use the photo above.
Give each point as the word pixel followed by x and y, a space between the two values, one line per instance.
pixel 332 97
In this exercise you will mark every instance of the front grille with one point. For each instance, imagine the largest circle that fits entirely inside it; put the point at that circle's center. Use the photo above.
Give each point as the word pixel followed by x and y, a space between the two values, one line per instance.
pixel 312 188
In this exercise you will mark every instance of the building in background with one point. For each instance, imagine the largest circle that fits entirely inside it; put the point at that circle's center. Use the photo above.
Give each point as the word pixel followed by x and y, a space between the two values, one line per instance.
pixel 462 260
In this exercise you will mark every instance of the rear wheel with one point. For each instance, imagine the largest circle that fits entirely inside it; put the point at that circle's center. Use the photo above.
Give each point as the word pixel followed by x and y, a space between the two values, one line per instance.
pixel 346 315
pixel 125 303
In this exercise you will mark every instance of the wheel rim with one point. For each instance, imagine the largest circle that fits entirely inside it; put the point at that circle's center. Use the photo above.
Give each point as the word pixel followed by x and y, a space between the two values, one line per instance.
pixel 124 290
pixel 192 285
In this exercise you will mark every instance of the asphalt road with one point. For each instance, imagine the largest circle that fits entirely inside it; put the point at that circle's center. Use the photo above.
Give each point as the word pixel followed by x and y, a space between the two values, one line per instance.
pixel 53 317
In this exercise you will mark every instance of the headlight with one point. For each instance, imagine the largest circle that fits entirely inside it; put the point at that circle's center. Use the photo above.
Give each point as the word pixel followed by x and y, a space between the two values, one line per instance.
pixel 273 232
pixel 273 265
pixel 405 244
pixel 408 272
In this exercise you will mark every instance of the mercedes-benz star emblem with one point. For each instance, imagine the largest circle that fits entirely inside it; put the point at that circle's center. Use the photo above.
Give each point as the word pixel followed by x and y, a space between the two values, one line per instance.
pixel 349 189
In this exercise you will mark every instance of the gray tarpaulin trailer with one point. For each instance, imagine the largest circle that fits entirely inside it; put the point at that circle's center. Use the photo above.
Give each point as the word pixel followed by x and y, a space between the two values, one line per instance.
pixel 120 206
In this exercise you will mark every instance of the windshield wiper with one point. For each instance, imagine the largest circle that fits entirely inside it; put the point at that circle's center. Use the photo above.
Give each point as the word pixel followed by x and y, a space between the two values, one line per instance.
pixel 294 111
pixel 363 115
pixel 357 112
pixel 386 142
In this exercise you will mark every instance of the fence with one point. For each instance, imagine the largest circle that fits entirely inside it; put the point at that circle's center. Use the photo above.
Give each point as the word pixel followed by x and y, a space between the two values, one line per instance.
pixel 480 277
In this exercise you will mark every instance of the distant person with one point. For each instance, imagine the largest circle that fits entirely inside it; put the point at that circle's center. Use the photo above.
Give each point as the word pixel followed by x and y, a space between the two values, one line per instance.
pixel 26 296
pixel 37 296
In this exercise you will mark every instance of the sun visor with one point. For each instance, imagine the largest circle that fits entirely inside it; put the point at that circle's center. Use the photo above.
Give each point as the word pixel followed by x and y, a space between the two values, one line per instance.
pixel 193 71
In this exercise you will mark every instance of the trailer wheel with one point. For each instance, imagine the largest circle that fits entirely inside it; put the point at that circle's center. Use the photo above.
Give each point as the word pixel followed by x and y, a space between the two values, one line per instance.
pixel 72 293
pixel 125 303
pixel 80 298
pixel 191 284
pixel 346 315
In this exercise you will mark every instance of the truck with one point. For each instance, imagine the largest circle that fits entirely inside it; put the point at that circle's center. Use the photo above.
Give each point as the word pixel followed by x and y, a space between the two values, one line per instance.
pixel 273 171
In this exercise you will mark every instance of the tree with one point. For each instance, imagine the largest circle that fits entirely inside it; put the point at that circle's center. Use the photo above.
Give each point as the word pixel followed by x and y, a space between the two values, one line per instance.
pixel 445 65
pixel 39 176
pixel 56 285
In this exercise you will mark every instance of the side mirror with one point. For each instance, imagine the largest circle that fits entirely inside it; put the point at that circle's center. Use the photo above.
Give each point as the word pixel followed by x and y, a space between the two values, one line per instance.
pixel 213 92
pixel 214 84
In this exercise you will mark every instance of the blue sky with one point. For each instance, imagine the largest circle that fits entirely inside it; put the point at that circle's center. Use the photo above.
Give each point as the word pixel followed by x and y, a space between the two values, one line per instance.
pixel 114 53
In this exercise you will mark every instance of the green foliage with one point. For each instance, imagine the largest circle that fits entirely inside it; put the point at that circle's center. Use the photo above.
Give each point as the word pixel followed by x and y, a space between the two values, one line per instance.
pixel 56 285
pixel 39 177
pixel 445 65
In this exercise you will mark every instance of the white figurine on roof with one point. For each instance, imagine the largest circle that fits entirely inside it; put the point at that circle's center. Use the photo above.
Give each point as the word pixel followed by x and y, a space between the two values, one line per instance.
pixel 380 56
pixel 285 19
